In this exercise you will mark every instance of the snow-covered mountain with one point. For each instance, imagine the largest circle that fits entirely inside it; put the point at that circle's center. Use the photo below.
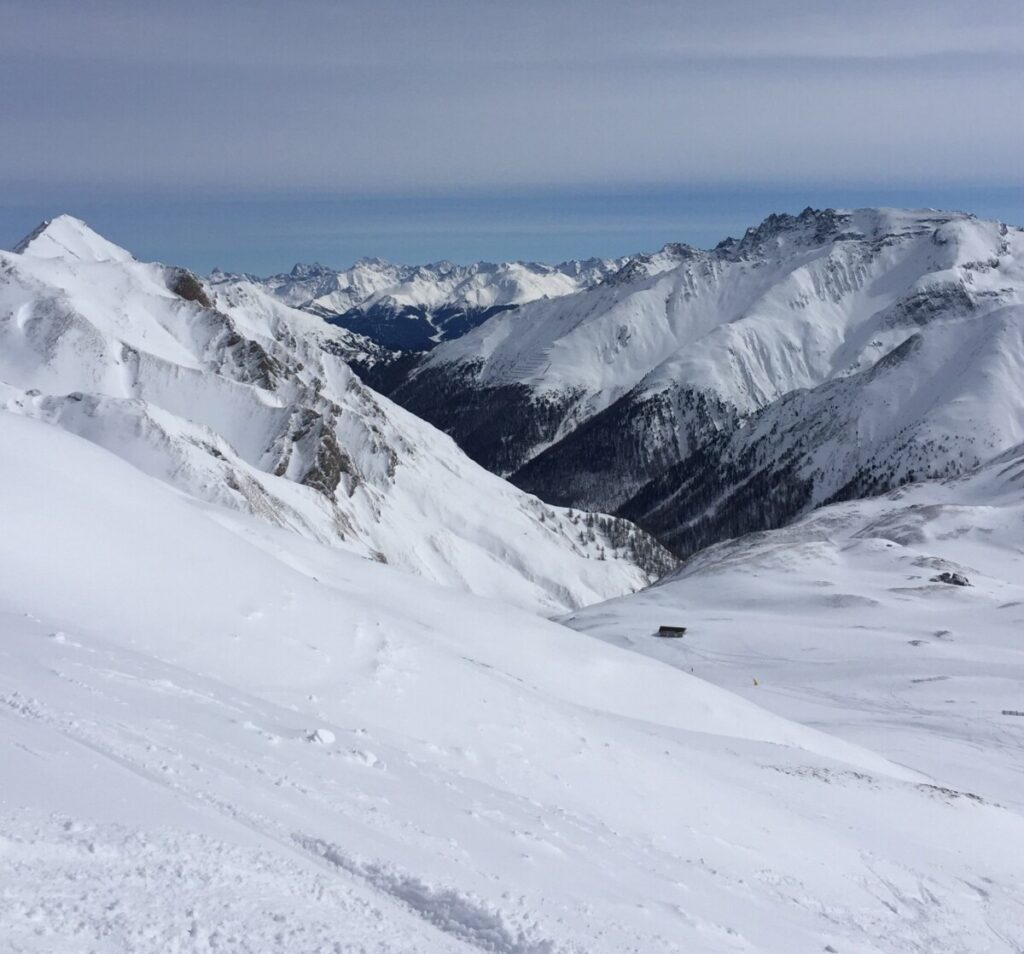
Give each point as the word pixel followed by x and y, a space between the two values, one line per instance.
pixel 413 307
pixel 711 392
pixel 243 402
pixel 220 735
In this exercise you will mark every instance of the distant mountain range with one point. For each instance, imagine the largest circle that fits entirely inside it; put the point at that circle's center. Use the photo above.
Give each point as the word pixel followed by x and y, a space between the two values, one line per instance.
pixel 415 307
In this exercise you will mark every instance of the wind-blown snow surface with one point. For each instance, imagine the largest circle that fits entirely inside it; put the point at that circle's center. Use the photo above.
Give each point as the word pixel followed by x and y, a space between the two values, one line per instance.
pixel 218 735
pixel 238 400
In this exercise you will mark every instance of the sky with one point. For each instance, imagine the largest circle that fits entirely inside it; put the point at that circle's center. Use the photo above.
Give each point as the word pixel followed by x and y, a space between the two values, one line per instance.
pixel 250 135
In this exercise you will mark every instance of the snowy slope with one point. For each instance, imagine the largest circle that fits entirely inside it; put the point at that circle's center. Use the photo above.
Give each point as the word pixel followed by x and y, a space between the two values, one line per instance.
pixel 218 735
pixel 238 400
pixel 908 322
pixel 843 622
pixel 416 306
pixel 797 301
pixel 948 398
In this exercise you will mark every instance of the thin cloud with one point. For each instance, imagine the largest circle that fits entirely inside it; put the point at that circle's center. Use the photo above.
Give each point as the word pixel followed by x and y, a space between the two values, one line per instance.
pixel 391 96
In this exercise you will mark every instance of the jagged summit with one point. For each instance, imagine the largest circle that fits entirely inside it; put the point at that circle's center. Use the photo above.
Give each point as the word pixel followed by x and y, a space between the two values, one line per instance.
pixel 813 227
pixel 308 270
pixel 68 237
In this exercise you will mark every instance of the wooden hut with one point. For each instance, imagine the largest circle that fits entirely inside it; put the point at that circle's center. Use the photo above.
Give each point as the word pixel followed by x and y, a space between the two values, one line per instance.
pixel 671 632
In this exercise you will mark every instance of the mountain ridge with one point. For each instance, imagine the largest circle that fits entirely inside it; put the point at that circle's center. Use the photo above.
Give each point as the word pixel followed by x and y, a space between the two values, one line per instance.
pixel 242 402
pixel 656 367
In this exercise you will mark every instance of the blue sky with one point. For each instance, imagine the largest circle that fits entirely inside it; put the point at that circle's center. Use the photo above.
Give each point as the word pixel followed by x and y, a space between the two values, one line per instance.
pixel 253 135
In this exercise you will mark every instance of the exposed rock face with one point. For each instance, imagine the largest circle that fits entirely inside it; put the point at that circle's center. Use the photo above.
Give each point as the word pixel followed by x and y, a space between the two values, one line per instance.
pixel 185 285
pixel 953 579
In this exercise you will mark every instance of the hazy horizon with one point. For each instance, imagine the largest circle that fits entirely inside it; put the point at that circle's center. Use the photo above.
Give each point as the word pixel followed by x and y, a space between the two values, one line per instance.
pixel 251 137
pixel 270 236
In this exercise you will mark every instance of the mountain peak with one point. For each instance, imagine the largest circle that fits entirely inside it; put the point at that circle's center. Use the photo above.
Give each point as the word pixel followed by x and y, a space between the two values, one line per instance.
pixel 810 226
pixel 68 237
pixel 310 270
